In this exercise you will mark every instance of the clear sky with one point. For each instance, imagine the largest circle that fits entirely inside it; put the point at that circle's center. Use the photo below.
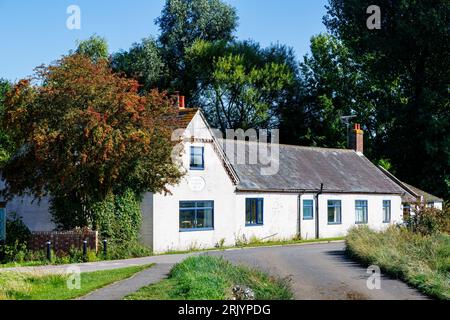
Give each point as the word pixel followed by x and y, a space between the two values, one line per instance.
pixel 35 32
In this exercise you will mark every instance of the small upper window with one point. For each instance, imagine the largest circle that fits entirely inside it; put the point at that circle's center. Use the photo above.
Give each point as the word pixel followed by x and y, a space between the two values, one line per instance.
pixel 197 158
pixel 361 211
pixel 387 211
pixel 308 209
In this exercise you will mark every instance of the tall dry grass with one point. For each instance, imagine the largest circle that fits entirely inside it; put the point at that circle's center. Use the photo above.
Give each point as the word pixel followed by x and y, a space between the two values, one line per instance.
pixel 423 261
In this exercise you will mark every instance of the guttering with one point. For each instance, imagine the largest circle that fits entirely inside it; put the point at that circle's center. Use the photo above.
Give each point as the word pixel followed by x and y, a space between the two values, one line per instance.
pixel 317 210
pixel 304 191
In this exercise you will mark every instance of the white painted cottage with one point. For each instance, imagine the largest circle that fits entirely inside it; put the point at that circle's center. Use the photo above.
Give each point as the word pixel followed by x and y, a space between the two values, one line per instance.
pixel 314 193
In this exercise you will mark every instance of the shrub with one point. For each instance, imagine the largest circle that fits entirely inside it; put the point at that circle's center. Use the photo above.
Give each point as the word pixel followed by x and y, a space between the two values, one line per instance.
pixel 429 221
pixel 119 217
pixel 120 250
pixel 16 230
pixel 15 252
pixel 17 237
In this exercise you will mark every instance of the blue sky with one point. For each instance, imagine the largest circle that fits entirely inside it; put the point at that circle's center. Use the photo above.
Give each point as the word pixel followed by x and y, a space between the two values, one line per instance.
pixel 34 32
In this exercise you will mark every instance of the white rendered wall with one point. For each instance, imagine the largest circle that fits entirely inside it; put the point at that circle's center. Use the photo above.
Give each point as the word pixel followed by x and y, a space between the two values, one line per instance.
pixel 146 236
pixel 438 205
pixel 375 214
pixel 218 187
pixel 279 214
pixel 35 214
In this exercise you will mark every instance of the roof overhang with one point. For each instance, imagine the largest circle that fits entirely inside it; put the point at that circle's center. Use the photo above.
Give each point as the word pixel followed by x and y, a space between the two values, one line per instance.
pixel 315 191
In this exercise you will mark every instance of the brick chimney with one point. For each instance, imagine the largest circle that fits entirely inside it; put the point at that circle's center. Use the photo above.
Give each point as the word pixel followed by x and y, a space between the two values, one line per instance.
pixel 181 102
pixel 357 139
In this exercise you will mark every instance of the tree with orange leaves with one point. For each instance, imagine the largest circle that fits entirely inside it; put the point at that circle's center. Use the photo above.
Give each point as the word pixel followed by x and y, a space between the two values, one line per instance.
pixel 86 133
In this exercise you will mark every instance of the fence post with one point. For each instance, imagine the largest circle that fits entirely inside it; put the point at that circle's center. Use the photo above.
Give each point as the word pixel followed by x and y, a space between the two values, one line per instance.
pixel 49 251
pixel 105 247
pixel 84 249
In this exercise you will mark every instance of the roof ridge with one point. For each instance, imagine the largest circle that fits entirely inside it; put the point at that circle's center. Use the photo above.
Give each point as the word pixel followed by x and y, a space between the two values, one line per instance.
pixel 294 146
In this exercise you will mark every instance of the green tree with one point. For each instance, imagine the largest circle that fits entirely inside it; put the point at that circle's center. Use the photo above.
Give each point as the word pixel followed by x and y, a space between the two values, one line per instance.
pixel 239 85
pixel 327 81
pixel 95 48
pixel 144 62
pixel 181 23
pixel 411 50
pixel 332 85
pixel 86 134
pixel 6 145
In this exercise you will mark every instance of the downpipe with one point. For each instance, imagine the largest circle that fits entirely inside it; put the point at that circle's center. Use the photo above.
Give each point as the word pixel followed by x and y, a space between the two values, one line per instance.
pixel 317 210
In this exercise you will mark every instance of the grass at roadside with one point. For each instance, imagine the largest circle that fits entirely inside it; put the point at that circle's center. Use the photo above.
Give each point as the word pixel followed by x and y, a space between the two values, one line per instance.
pixel 35 286
pixel 421 261
pixel 255 243
pixel 20 256
pixel 252 243
pixel 212 278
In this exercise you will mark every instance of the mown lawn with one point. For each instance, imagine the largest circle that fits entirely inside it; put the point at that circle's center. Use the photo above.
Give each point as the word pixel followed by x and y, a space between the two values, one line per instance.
pixel 422 261
pixel 212 278
pixel 35 286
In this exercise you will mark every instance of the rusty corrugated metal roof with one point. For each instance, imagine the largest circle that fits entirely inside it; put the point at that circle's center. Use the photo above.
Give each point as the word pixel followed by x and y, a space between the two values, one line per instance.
pixel 306 168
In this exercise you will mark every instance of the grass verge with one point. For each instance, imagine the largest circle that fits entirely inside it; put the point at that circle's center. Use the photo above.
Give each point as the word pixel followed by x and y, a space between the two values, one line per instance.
pixel 256 243
pixel 36 286
pixel 421 261
pixel 212 278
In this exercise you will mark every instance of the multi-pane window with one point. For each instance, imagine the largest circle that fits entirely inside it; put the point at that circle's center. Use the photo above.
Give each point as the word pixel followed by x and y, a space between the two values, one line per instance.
pixel 361 211
pixel 197 158
pixel 196 215
pixel 387 211
pixel 308 209
pixel 334 212
pixel 254 212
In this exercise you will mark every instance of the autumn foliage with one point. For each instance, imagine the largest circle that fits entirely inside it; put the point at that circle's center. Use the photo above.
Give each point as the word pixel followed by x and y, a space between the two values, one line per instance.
pixel 87 132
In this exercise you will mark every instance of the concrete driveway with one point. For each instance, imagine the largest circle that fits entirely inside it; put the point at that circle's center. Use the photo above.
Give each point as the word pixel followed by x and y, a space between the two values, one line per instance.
pixel 320 272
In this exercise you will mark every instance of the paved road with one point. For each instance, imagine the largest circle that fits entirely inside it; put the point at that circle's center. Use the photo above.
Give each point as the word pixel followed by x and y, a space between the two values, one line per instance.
pixel 321 272
pixel 317 272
